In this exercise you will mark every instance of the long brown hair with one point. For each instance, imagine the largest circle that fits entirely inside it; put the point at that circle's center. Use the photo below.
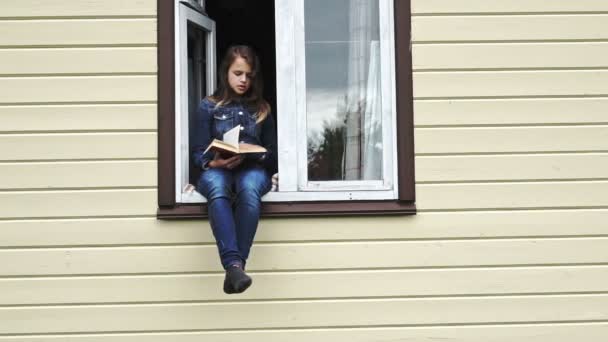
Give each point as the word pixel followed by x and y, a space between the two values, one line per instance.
pixel 253 97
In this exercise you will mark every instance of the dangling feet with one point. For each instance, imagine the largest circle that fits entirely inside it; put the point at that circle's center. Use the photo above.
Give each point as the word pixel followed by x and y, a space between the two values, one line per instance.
pixel 236 281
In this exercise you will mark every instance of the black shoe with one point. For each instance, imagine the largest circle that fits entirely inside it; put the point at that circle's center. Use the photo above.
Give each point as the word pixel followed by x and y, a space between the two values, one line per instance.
pixel 236 281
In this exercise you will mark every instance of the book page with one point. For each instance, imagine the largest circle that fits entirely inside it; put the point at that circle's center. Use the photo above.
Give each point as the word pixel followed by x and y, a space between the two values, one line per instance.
pixel 232 136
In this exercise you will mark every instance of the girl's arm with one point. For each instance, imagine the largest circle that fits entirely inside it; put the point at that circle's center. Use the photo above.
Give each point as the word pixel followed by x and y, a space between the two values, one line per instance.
pixel 203 135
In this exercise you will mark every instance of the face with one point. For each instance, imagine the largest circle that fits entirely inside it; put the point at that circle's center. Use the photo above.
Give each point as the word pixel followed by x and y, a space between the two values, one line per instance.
pixel 239 76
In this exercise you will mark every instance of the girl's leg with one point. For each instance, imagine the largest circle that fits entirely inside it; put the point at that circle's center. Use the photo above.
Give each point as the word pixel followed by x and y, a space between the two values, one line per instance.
pixel 251 184
pixel 215 185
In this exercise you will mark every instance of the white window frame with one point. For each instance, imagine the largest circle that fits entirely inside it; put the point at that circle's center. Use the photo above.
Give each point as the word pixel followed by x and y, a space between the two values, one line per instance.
pixel 291 94
pixel 184 14
pixel 291 98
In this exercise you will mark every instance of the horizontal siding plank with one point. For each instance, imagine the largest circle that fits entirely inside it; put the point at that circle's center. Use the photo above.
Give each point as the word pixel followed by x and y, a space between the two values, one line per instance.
pixel 305 285
pixel 510 111
pixel 496 56
pixel 77 146
pixel 305 256
pixel 511 195
pixel 63 8
pixel 511 139
pixel 430 85
pixel 111 231
pixel 508 167
pixel 77 32
pixel 77 89
pixel 509 28
pixel 82 175
pixel 77 60
pixel 588 194
pixel 511 6
pixel 588 332
pixel 133 318
pixel 78 117
pixel 448 225
pixel 15 176
pixel 77 203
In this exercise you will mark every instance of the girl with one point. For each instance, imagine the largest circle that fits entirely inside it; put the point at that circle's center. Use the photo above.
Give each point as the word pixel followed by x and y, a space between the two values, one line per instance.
pixel 233 186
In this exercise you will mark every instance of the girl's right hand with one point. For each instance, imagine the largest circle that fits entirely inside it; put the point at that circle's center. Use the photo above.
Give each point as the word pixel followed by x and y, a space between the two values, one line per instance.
pixel 229 163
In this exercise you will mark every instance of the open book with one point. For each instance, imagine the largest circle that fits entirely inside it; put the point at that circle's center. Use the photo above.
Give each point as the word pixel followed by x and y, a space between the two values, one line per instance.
pixel 229 145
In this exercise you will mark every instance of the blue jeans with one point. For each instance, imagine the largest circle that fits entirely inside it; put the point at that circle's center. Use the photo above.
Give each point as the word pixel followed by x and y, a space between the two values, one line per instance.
pixel 234 228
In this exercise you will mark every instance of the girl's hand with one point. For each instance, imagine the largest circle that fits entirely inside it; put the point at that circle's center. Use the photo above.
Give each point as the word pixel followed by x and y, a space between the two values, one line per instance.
pixel 229 163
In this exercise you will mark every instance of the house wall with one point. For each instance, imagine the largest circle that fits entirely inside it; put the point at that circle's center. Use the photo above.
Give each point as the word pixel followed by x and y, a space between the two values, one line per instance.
pixel 510 242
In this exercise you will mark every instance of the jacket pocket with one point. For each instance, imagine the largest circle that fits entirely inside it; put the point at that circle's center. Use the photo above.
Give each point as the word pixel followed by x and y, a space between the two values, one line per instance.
pixel 223 121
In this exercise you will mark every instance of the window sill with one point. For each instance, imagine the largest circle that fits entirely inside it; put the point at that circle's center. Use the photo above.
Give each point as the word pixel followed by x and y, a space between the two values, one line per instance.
pixel 194 197
pixel 300 209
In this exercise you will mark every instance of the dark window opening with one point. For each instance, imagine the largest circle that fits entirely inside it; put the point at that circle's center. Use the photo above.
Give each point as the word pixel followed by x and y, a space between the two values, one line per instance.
pixel 237 22
pixel 250 23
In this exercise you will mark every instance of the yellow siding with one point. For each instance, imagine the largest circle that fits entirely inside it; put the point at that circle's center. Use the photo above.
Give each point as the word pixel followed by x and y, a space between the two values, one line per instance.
pixel 69 89
pixel 472 56
pixel 71 32
pixel 77 146
pixel 589 332
pixel 303 314
pixel 306 285
pixel 537 139
pixel 430 7
pixel 510 242
pixel 329 256
pixel 508 28
pixel 67 8
pixel 77 117
pixel 129 173
pixel 484 84
pixel 20 61
pixel 460 225
pixel 511 111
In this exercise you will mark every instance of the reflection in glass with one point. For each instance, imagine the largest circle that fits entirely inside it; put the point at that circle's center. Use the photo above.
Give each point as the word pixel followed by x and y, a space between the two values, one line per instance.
pixel 343 103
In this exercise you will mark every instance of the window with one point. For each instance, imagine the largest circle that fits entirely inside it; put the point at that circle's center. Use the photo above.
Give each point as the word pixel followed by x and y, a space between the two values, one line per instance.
pixel 343 73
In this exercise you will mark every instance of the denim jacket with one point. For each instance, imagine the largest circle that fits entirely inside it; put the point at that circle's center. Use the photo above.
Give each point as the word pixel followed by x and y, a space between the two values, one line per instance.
pixel 212 122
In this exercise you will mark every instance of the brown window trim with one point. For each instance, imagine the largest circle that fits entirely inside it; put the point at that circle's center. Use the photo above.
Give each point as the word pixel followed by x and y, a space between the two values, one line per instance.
pixel 169 209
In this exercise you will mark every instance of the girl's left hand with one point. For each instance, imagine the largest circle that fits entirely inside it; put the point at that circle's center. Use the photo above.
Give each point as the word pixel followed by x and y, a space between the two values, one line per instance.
pixel 236 162
pixel 228 163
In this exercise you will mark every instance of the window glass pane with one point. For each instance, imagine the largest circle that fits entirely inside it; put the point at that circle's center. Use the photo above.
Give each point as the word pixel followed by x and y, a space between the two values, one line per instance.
pixel 343 102
pixel 197 66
